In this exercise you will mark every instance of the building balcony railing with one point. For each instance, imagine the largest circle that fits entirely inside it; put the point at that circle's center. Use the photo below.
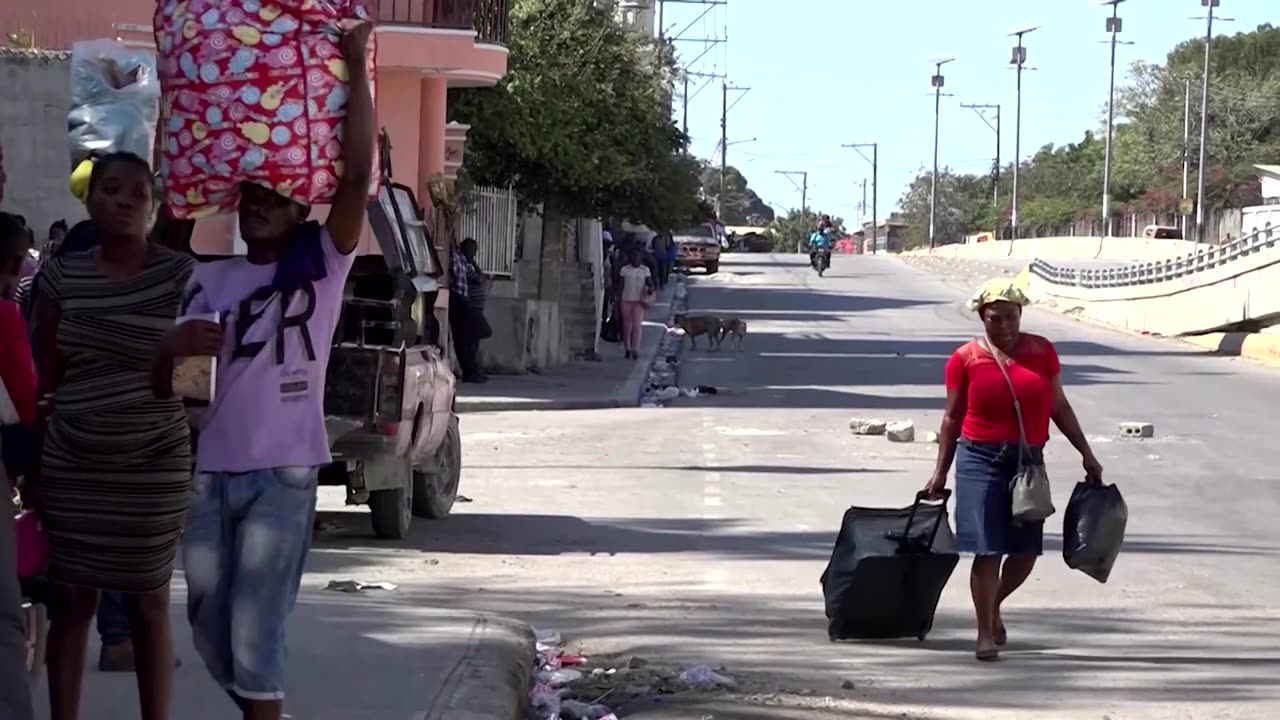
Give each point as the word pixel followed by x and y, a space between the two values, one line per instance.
pixel 488 18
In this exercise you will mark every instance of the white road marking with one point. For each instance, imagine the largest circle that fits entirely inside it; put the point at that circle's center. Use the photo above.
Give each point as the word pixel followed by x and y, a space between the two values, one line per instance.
pixel 748 432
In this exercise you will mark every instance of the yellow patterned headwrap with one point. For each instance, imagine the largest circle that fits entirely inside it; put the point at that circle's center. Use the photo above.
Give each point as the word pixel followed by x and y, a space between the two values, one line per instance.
pixel 999 290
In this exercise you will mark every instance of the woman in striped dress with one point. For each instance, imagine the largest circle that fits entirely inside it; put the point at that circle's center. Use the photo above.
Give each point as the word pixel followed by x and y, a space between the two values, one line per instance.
pixel 115 474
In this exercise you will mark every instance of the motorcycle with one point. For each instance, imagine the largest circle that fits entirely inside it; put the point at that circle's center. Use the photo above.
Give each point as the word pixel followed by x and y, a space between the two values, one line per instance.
pixel 820 260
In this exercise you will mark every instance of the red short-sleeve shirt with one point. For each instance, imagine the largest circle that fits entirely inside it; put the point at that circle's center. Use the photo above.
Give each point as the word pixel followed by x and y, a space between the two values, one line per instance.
pixel 989 414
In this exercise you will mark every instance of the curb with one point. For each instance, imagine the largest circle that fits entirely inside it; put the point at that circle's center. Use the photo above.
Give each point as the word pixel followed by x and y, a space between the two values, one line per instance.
pixel 627 395
pixel 476 406
pixel 491 681
pixel 1260 347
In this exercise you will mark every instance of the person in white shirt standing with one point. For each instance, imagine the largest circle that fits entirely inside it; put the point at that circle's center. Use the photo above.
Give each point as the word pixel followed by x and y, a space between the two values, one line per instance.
pixel 637 286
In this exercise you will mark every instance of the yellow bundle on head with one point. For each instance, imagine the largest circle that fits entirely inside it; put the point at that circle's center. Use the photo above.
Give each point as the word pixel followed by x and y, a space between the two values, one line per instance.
pixel 80 180
pixel 999 290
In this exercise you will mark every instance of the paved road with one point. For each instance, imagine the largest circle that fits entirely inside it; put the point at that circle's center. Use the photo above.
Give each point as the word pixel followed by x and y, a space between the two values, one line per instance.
pixel 698 532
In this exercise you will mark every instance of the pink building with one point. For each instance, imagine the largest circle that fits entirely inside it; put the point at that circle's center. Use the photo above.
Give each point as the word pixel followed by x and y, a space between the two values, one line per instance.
pixel 425 47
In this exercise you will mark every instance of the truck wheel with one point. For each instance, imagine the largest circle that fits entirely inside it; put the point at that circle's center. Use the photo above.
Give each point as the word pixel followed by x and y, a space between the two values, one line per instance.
pixel 391 512
pixel 713 268
pixel 435 488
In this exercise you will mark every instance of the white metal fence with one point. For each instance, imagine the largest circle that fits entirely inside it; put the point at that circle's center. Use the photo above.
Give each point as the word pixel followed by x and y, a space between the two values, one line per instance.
pixel 490 216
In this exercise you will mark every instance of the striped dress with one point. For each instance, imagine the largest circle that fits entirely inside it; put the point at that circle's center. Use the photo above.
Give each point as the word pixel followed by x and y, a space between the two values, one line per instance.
pixel 116 468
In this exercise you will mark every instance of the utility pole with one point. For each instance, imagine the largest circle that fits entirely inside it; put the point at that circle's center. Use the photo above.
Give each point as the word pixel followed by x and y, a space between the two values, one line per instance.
pixel 724 145
pixel 875 186
pixel 725 107
pixel 862 207
pixel 1186 155
pixel 690 74
pixel 804 196
pixel 995 173
pixel 684 124
pixel 804 186
pixel 938 82
pixel 1201 233
pixel 1114 26
pixel 1019 60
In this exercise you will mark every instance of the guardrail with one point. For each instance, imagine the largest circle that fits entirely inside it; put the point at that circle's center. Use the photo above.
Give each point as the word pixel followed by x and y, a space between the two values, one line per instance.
pixel 1147 273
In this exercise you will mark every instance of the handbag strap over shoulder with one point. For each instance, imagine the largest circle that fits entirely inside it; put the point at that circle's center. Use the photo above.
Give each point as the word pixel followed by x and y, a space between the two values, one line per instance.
pixel 1024 448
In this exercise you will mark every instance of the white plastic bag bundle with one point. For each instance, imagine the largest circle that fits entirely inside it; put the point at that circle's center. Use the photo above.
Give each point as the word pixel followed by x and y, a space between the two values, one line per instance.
pixel 115 101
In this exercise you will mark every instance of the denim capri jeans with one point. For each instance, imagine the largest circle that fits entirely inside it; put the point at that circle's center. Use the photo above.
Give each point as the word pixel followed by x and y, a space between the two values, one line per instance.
pixel 984 523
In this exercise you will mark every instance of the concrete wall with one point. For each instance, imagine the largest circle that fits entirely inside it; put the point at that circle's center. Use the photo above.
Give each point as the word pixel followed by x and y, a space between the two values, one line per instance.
pixel 35 94
pixel 1067 248
pixel 528 336
pixel 1244 290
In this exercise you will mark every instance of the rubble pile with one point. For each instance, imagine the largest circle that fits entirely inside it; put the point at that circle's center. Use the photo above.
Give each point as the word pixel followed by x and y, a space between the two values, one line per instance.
pixel 569 686
pixel 900 431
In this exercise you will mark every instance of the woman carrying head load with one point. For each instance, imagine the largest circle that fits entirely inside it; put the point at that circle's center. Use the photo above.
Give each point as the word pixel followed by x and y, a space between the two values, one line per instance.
pixel 981 433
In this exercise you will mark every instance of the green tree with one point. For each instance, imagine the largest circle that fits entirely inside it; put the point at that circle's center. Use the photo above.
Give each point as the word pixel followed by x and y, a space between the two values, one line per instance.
pixel 964 204
pixel 1244 115
pixel 741 205
pixel 792 230
pixel 580 124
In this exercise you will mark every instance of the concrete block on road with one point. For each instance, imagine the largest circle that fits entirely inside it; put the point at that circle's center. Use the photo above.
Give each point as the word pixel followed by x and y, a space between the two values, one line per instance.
pixel 867 426
pixel 903 431
pixel 931 437
pixel 1140 430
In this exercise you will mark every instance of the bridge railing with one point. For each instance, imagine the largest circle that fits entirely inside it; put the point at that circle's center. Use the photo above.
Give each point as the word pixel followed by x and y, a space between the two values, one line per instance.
pixel 1147 273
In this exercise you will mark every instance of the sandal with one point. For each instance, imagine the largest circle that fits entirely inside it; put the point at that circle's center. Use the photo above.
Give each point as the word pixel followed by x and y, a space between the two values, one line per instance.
pixel 1001 636
pixel 987 655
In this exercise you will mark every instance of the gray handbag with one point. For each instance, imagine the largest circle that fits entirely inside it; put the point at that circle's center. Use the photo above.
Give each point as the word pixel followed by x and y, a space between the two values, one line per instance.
pixel 1032 500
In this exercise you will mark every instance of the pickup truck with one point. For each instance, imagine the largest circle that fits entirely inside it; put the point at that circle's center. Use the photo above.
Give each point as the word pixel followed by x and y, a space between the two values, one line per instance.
pixel 389 392
pixel 698 247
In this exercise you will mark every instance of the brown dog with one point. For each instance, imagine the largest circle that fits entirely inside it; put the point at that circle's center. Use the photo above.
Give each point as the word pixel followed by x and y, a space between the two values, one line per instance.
pixel 697 325
pixel 735 327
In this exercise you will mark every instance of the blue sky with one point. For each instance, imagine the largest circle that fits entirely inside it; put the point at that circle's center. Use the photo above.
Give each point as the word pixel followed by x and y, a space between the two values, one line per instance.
pixel 824 73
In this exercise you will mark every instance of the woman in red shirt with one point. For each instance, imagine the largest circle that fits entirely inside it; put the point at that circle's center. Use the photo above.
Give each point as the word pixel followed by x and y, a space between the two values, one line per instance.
pixel 980 434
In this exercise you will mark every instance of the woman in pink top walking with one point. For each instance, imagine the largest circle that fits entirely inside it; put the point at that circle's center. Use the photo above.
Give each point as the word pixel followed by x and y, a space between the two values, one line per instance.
pixel 637 286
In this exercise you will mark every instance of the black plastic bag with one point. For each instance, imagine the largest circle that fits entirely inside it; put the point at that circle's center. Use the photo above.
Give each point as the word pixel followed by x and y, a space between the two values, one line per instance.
pixel 609 331
pixel 1093 529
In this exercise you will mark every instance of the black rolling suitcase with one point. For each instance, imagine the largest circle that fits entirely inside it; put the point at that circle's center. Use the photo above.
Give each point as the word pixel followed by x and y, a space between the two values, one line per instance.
pixel 887 571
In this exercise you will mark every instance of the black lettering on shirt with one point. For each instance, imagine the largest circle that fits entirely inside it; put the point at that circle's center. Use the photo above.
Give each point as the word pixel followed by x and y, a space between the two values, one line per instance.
pixel 246 318
pixel 299 321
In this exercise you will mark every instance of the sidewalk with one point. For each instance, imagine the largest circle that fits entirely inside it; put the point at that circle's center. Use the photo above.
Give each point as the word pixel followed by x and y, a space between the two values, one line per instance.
pixel 608 383
pixel 358 656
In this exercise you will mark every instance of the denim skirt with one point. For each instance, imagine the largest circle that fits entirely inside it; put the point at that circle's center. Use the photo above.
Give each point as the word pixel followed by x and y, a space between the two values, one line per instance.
pixel 984 523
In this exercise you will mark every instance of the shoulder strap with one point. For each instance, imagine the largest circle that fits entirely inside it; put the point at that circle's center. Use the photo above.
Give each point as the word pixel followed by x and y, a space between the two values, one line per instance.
pixel 1024 449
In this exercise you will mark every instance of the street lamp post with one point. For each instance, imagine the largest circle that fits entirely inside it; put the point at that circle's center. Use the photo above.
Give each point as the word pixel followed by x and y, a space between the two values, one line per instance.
pixel 1018 61
pixel 938 82
pixel 1201 235
pixel 1114 26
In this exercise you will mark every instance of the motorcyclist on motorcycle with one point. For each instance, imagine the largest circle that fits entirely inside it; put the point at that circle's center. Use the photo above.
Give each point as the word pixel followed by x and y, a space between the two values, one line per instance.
pixel 820 241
